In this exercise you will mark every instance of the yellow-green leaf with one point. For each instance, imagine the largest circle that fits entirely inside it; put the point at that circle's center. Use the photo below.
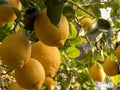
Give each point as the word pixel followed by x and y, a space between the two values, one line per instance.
pixel 72 52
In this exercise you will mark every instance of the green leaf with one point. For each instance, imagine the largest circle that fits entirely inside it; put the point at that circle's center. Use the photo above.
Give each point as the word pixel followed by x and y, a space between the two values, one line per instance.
pixel 63 84
pixel 116 23
pixel 77 41
pixel 99 57
pixel 5 30
pixel 117 3
pixel 81 13
pixel 63 59
pixel 82 77
pixel 113 12
pixel 72 52
pixel 69 12
pixel 103 24
pixel 96 10
pixel 7 27
pixel 73 63
pixel 115 79
pixel 87 58
pixel 72 31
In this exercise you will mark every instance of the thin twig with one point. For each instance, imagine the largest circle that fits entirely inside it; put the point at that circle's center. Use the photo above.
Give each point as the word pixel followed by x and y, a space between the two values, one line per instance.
pixel 77 21
pixel 93 3
pixel 86 37
pixel 78 6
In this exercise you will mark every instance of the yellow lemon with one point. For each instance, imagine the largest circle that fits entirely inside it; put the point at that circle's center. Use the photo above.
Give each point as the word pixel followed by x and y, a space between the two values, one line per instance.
pixel 15 86
pixel 111 67
pixel 15 50
pixel 7 13
pixel 97 73
pixel 49 33
pixel 31 76
pixel 86 23
pixel 48 56
pixel 15 4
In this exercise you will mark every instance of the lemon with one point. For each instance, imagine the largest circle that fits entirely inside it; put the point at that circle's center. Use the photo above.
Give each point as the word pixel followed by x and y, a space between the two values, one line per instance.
pixel 51 84
pixel 31 76
pixel 15 50
pixel 7 13
pixel 15 4
pixel 15 86
pixel 48 56
pixel 49 33
pixel 97 73
pixel 111 67
pixel 117 52
pixel 86 23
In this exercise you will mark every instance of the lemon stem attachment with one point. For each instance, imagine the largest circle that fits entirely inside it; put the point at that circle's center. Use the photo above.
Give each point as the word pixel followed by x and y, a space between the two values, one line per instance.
pixel 54 10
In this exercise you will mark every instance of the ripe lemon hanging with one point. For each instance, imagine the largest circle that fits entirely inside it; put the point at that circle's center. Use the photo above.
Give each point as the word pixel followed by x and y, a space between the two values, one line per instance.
pixel 48 56
pixel 15 50
pixel 31 76
pixel 111 67
pixel 117 52
pixel 15 86
pixel 48 33
pixel 86 23
pixel 51 84
pixel 7 13
pixel 97 73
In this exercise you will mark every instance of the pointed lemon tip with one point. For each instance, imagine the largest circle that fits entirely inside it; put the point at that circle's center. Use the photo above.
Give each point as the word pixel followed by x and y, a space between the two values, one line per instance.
pixel 60 43
pixel 37 86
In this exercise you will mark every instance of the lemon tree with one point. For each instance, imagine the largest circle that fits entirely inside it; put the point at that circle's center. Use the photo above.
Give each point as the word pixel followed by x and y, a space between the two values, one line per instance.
pixel 79 44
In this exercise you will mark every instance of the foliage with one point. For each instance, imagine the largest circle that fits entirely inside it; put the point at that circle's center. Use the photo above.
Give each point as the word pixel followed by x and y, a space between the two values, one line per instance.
pixel 82 48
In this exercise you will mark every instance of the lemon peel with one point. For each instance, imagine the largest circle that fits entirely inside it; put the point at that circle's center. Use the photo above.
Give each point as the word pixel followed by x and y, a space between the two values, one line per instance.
pixel 49 33
pixel 48 56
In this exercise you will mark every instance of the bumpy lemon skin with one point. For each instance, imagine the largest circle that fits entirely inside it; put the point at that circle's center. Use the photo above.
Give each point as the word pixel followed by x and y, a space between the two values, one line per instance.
pixel 31 76
pixel 15 50
pixel 111 67
pixel 7 13
pixel 15 86
pixel 97 73
pixel 49 33
pixel 48 56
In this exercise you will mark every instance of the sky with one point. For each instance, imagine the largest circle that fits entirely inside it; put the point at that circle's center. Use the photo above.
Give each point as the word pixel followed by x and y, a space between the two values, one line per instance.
pixel 105 13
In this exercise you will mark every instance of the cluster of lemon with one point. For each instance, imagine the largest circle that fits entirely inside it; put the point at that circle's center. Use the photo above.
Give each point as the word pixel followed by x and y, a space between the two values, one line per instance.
pixel 15 51
pixel 37 63
pixel 109 68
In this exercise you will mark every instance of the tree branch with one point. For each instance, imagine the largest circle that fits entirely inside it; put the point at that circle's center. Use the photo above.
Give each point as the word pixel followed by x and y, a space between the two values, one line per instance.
pixel 78 6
